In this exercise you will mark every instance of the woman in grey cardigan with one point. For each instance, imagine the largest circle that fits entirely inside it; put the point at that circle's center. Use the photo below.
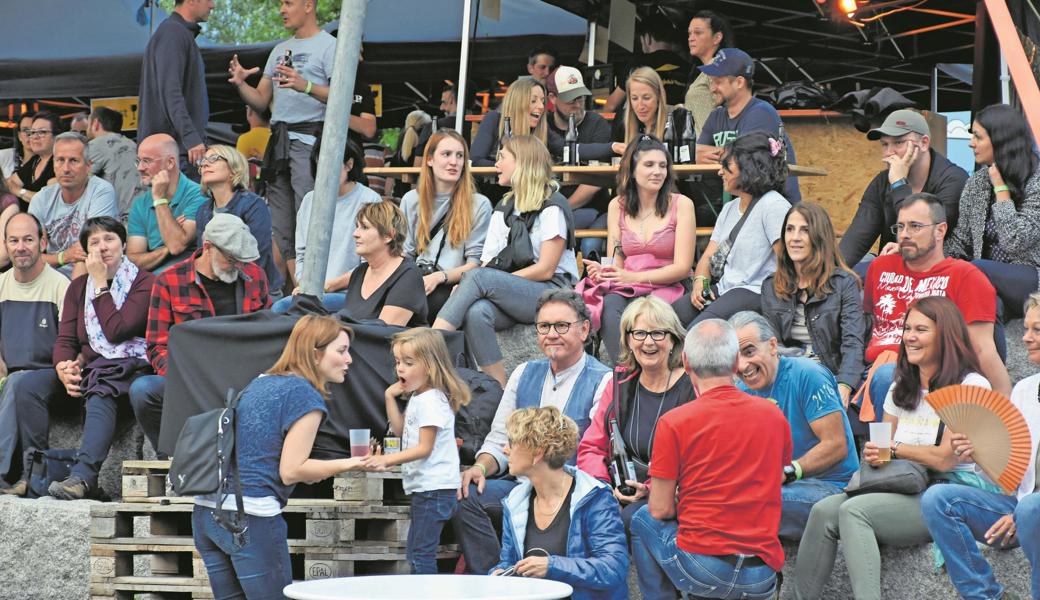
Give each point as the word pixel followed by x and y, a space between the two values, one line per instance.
pixel 447 218
pixel 999 225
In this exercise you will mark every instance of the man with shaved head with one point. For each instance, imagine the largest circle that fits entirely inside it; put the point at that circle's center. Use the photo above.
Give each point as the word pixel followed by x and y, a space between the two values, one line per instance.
pixel 161 228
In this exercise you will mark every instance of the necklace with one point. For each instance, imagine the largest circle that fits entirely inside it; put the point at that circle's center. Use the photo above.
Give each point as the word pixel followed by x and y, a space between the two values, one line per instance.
pixel 633 423
pixel 556 383
pixel 559 504
pixel 642 223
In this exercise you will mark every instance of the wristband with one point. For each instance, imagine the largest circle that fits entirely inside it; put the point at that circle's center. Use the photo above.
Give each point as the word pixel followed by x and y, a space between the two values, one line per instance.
pixel 704 277
pixel 310 86
pixel 797 470
pixel 61 258
pixel 482 468
pixel 898 183
pixel 1001 188
pixel 159 202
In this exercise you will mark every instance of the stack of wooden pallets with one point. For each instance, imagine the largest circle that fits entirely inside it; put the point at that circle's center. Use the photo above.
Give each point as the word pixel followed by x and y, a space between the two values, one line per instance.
pixel 144 544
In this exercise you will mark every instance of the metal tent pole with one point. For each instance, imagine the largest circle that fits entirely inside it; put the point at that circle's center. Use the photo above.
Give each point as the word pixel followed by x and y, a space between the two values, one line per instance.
pixel 460 111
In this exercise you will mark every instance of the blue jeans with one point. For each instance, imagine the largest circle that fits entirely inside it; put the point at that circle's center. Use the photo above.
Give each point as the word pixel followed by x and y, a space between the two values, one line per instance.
pixel 879 386
pixel 146 398
pixel 258 570
pixel 663 567
pixel 474 527
pixel 430 511
pixel 590 218
pixel 958 515
pixel 1013 283
pixel 798 499
pixel 333 302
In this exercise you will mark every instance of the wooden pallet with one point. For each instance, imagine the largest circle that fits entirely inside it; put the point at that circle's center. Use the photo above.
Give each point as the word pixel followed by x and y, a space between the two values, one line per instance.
pixel 146 479
pixel 343 564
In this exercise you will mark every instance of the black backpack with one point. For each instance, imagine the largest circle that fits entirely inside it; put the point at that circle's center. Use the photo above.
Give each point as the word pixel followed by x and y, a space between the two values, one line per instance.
pixel 473 421
pixel 205 461
pixel 519 251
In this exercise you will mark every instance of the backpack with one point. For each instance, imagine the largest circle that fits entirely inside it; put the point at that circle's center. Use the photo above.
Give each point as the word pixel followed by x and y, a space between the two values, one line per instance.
pixel 44 467
pixel 473 421
pixel 519 251
pixel 205 461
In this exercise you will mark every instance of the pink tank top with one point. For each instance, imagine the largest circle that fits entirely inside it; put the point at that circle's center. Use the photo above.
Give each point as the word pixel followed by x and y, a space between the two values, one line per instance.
pixel 660 246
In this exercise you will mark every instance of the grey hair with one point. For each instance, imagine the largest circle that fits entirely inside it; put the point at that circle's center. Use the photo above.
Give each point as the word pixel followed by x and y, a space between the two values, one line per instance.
pixel 1032 301
pixel 72 136
pixel 749 317
pixel 711 348
pixel 565 296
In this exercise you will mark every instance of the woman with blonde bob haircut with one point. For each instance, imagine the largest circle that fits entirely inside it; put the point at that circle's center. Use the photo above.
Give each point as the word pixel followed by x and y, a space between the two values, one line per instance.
pixel 529 248
pixel 277 420
pixel 649 381
pixel 447 219
pixel 224 175
pixel 561 523
pixel 524 105
pixel 386 285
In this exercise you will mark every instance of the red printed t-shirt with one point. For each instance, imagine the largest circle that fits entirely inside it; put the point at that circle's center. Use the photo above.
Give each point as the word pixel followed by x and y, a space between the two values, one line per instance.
pixel 890 288
pixel 727 453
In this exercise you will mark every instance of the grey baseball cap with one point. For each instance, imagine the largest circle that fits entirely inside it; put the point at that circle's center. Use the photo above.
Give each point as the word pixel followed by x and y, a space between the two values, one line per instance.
pixel 899 123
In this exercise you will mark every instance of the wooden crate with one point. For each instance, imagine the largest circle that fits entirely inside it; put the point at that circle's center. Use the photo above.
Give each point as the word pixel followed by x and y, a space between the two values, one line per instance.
pixel 146 479
pixel 365 487
pixel 318 565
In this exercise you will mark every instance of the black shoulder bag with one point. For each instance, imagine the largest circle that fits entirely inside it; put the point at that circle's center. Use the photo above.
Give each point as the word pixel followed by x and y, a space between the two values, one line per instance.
pixel 205 462
pixel 717 263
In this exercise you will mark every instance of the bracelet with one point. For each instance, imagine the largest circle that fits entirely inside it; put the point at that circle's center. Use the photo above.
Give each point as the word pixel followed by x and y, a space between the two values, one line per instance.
pixel 797 470
pixel 895 446
pixel 704 277
pixel 445 274
pixel 159 202
pixel 61 258
pixel 1001 188
pixel 483 469
pixel 310 86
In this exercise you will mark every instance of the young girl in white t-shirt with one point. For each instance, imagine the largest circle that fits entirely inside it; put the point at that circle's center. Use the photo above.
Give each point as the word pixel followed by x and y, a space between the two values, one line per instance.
pixel 429 457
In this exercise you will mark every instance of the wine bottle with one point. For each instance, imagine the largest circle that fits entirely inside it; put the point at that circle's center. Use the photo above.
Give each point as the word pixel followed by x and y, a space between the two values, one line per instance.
pixel 686 151
pixel 570 150
pixel 669 138
pixel 507 129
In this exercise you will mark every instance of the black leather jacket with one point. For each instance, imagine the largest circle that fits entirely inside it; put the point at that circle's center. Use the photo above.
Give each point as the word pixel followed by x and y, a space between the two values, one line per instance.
pixel 835 322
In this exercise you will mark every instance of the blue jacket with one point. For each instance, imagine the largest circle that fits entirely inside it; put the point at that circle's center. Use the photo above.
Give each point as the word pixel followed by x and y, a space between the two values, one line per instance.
pixel 596 565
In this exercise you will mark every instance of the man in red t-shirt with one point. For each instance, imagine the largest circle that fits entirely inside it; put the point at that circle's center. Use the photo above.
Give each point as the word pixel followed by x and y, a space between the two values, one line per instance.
pixel 717 467
pixel 919 270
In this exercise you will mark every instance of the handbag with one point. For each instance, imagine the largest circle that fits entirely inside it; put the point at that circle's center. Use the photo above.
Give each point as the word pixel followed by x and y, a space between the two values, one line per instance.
pixel 518 252
pixel 426 268
pixel 205 461
pixel 46 467
pixel 717 262
pixel 897 477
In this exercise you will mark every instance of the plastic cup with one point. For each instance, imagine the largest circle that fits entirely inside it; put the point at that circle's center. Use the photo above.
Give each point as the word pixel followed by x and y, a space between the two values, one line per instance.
pixel 606 261
pixel 615 161
pixel 359 442
pixel 881 436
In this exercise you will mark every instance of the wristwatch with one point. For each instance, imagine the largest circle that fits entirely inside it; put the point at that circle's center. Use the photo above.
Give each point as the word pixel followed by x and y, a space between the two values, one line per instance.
pixel 789 474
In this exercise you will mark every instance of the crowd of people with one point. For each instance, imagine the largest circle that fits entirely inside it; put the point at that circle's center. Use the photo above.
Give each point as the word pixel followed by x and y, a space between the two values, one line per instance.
pixel 728 410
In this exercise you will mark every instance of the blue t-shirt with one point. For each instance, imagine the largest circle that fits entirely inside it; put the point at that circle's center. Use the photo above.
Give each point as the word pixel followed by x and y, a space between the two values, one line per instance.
pixel 719 130
pixel 805 391
pixel 143 223
pixel 268 408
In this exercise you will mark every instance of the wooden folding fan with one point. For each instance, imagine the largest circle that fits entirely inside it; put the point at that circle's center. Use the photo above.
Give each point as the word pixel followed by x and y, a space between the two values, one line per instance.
pixel 996 428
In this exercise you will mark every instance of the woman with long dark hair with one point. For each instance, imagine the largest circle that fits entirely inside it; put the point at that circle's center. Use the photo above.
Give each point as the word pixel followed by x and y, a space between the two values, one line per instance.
pixel 649 228
pixel 708 31
pixel 813 300
pixel 729 275
pixel 999 224
pixel 936 352
pixel 37 172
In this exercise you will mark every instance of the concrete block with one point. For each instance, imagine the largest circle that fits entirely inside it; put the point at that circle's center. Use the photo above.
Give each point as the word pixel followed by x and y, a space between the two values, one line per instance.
pixel 45 549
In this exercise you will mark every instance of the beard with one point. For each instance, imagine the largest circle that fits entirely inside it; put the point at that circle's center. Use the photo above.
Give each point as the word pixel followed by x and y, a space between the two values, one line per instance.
pixel 914 252
pixel 225 275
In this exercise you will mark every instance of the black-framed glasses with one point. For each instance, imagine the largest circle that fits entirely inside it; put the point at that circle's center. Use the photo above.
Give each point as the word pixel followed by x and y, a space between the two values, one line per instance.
pixel 913 227
pixel 656 335
pixel 39 132
pixel 561 327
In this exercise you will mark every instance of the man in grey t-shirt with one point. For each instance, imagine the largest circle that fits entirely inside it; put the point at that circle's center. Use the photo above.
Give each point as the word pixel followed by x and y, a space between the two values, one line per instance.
pixel 64 207
pixel 113 157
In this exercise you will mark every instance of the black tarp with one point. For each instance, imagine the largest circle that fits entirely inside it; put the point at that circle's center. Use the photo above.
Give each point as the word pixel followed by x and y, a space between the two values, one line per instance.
pixel 208 356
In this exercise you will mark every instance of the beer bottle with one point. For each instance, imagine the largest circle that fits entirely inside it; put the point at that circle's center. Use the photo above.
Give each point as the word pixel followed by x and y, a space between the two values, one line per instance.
pixel 507 129
pixel 287 61
pixel 621 468
pixel 686 151
pixel 669 138
pixel 433 126
pixel 570 150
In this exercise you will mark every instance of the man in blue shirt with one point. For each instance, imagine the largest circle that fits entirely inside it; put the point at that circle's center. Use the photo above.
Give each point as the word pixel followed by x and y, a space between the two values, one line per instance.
pixel 807 393
pixel 738 112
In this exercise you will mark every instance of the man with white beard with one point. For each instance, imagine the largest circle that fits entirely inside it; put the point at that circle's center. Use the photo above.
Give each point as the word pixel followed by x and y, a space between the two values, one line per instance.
pixel 220 279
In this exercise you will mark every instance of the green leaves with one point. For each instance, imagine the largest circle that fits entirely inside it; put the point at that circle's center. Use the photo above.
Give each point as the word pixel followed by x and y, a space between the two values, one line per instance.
pixel 252 21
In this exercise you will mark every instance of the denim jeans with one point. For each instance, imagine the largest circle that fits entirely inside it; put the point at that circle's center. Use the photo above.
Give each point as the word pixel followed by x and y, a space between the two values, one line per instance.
pixel 1013 283
pixel 257 570
pixel 958 515
pixel 662 567
pixel 798 500
pixel 879 386
pixel 430 511
pixel 146 398
pixel 9 423
pixel 723 307
pixel 590 218
pixel 474 527
pixel 333 302
pixel 489 300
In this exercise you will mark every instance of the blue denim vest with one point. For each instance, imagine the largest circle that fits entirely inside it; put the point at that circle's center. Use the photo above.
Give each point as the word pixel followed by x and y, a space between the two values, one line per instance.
pixel 581 400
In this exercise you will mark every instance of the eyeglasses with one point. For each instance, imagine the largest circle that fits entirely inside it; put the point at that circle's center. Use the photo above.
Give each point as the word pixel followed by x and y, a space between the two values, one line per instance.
pixel 913 227
pixel 656 335
pixel 25 131
pixel 39 132
pixel 561 328
pixel 147 162
pixel 209 160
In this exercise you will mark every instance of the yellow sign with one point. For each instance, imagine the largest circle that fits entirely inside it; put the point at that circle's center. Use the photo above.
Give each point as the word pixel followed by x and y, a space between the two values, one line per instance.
pixel 377 97
pixel 125 105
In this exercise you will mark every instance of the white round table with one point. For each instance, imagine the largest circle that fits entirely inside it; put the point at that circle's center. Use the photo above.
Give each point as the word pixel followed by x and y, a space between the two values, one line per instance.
pixel 428 587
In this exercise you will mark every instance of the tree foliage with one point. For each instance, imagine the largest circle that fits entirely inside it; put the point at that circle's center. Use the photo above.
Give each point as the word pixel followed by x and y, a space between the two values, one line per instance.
pixel 252 21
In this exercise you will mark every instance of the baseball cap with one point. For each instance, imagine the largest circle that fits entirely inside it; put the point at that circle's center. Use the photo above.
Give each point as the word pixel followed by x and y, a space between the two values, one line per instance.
pixel 901 122
pixel 730 62
pixel 566 82
pixel 232 236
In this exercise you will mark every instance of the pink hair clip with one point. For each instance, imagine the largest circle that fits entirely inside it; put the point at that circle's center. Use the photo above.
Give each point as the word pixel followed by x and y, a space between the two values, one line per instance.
pixel 775 146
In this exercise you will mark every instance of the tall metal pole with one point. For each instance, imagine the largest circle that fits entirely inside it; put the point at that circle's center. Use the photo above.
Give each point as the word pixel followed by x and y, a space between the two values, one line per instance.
pixel 460 98
pixel 333 143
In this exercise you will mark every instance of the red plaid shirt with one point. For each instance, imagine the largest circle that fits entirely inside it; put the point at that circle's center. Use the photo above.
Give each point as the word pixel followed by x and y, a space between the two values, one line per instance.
pixel 178 296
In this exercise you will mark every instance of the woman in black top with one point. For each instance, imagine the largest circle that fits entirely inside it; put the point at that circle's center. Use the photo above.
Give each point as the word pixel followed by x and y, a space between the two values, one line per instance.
pixel 38 171
pixel 386 285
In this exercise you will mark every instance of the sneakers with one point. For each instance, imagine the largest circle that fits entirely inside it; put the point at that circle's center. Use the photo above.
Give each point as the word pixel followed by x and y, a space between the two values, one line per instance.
pixel 73 488
pixel 18 489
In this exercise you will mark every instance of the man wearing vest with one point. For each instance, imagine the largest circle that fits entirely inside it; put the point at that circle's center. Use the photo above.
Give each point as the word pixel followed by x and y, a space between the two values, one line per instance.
pixel 568 379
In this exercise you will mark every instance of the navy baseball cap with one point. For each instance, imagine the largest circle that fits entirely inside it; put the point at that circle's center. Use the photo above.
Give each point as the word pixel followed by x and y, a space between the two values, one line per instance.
pixel 730 62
